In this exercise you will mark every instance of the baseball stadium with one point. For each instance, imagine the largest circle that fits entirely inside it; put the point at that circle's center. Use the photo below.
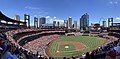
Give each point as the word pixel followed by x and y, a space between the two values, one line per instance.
pixel 50 42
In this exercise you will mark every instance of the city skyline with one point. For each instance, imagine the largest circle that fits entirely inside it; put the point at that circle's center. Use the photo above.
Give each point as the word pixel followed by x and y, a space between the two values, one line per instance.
pixel 61 10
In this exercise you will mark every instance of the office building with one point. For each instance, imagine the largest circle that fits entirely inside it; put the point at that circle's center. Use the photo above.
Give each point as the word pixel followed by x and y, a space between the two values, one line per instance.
pixel 70 22
pixel 42 20
pixel 54 24
pixel 17 17
pixel 75 24
pixel 66 23
pixel 84 22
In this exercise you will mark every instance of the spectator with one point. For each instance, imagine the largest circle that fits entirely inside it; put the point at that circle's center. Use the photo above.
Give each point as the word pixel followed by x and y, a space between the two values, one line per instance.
pixel 0 42
pixel 16 54
pixel 7 53
pixel 117 48
pixel 111 54
pixel 73 57
pixel 3 46
pixel 93 54
pixel 87 56
pixel 22 55
pixel 1 49
pixel 64 57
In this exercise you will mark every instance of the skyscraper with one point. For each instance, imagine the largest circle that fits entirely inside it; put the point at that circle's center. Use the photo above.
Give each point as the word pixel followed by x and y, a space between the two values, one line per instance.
pixel 54 23
pixel 75 24
pixel 84 22
pixel 70 22
pixel 42 20
pixel 17 17
pixel 66 23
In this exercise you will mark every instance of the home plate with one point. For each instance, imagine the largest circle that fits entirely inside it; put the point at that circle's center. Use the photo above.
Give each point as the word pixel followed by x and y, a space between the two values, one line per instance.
pixel 66 47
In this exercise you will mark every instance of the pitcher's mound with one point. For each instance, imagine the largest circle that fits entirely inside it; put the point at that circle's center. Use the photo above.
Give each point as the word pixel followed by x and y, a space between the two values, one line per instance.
pixel 66 47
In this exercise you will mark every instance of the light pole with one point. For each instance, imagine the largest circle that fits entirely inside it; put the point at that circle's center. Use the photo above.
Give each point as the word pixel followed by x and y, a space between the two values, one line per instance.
pixel 100 20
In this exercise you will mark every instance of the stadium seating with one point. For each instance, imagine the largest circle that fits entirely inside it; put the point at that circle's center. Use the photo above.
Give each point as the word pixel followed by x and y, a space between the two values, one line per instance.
pixel 9 43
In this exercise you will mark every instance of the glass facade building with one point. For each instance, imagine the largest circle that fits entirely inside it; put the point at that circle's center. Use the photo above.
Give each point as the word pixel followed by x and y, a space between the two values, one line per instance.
pixel 84 22
pixel 42 20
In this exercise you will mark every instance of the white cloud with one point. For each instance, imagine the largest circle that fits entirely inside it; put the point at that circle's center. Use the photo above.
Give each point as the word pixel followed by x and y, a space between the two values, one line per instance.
pixel 47 17
pixel 34 8
pixel 114 2
pixel 59 20
pixel 111 2
pixel 51 19
pixel 117 18
pixel 35 15
pixel 38 11
pixel 54 17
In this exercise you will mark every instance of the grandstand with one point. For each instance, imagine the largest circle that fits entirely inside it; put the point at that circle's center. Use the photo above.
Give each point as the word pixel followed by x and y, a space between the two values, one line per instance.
pixel 7 23
pixel 31 43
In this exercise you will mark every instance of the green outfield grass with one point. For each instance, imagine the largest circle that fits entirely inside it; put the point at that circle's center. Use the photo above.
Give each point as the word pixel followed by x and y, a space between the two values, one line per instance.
pixel 90 42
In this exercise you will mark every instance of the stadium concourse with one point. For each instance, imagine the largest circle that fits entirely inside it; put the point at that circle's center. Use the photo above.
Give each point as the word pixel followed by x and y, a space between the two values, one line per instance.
pixel 26 48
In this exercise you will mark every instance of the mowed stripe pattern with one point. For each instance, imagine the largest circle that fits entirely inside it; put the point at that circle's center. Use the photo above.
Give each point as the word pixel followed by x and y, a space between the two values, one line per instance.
pixel 90 44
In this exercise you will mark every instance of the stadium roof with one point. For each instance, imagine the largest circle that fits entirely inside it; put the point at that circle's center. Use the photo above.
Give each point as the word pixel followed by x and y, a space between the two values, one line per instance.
pixel 5 18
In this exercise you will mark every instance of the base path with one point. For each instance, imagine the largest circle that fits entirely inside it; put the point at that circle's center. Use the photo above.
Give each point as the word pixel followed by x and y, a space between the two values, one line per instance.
pixel 78 46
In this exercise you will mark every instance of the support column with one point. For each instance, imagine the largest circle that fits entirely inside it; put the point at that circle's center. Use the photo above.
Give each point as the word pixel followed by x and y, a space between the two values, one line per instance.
pixel 27 17
pixel 28 21
pixel 108 22
pixel 112 21
pixel 35 22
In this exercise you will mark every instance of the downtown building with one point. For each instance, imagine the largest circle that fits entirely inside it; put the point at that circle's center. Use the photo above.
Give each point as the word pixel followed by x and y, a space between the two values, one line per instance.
pixel 42 20
pixel 84 22
pixel 66 23
pixel 54 24
pixel 70 23
pixel 17 17
pixel 75 24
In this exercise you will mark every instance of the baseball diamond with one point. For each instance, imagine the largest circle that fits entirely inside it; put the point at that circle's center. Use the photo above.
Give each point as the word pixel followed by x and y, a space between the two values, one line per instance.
pixel 68 46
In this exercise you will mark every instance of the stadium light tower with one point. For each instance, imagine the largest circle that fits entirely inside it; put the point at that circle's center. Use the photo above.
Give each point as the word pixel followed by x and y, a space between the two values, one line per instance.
pixel 101 20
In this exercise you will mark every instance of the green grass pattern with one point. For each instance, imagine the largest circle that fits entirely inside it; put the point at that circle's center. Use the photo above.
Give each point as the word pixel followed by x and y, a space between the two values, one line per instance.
pixel 90 42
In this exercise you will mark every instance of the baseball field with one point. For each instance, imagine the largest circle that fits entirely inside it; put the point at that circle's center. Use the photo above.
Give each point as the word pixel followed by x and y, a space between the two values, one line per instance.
pixel 68 46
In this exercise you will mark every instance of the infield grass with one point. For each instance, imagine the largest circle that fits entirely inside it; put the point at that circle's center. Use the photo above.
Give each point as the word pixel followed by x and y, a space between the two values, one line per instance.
pixel 70 47
pixel 90 42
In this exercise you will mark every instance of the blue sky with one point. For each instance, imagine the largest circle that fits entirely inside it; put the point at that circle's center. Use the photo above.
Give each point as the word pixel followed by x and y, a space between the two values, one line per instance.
pixel 61 9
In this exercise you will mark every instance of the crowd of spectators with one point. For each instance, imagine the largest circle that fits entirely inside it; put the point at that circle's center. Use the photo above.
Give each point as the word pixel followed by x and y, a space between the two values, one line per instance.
pixel 14 46
pixel 43 32
pixel 40 43
pixel 8 50
pixel 110 50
